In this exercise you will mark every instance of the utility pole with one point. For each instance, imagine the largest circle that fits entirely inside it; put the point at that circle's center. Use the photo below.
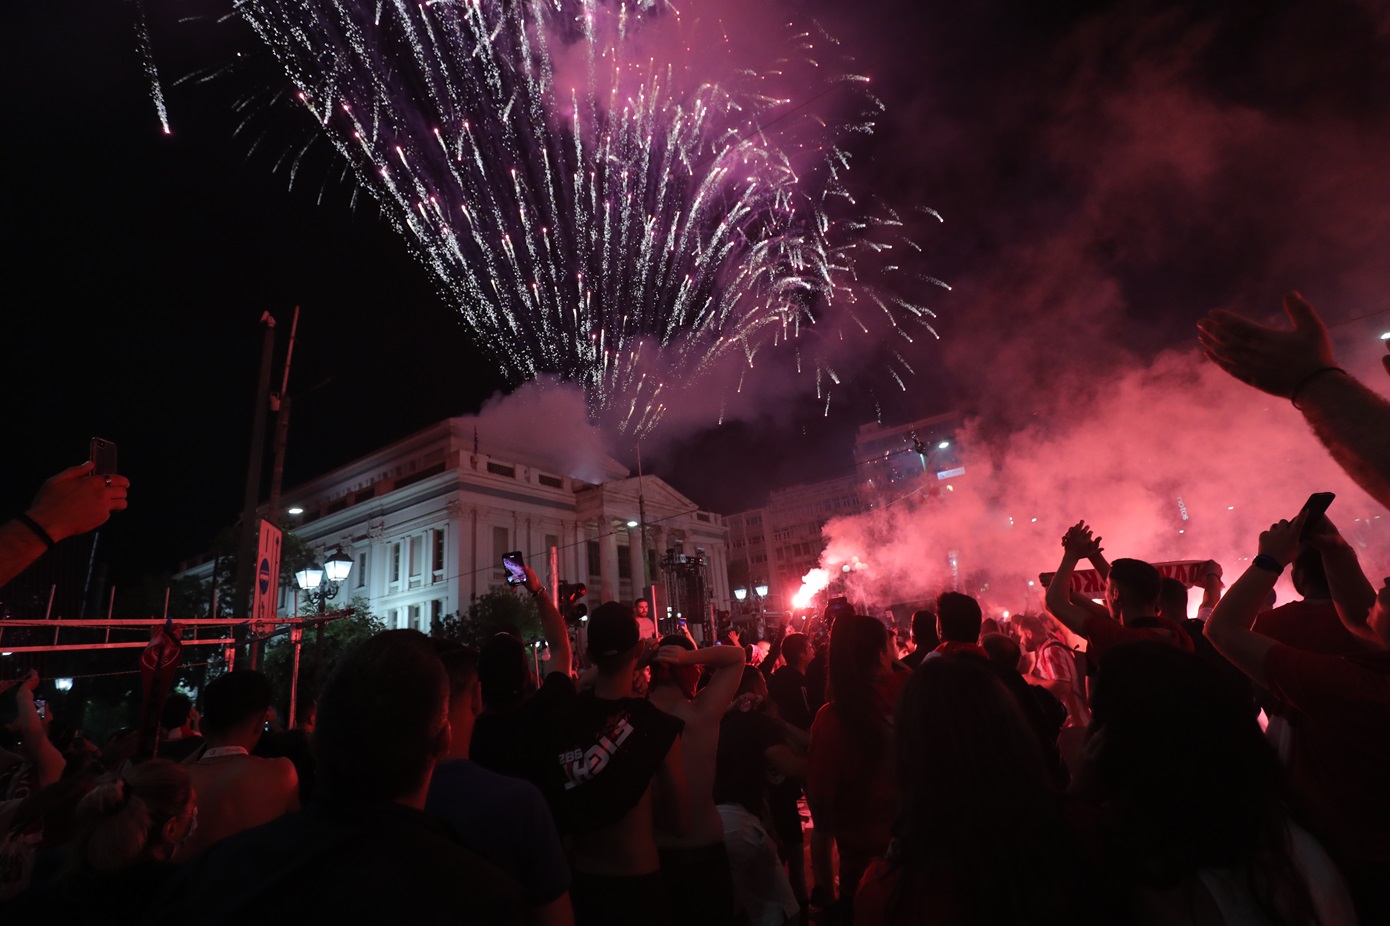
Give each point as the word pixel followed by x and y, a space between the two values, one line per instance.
pixel 280 404
pixel 246 546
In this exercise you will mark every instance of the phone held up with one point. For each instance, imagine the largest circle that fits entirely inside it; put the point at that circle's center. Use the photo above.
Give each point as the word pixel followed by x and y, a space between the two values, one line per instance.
pixel 102 453
pixel 1314 508
pixel 516 568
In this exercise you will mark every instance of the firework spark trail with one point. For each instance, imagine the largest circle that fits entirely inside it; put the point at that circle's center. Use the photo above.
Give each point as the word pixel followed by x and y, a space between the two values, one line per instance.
pixel 142 37
pixel 623 233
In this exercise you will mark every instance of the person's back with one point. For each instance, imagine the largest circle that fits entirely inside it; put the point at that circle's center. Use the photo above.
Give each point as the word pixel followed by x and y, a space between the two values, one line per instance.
pixel 236 790
pixel 850 785
pixel 1197 817
pixel 365 851
pixel 788 686
pixel 981 837
pixel 505 820
pixel 696 862
pixel 620 760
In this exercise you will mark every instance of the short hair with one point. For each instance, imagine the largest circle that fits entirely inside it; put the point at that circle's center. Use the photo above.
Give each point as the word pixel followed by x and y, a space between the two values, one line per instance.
pixel 177 707
pixel 613 636
pixel 1002 649
pixel 794 646
pixel 234 698
pixel 1309 575
pixel 382 719
pixel 662 672
pixel 924 629
pixel 116 819
pixel 1138 582
pixel 959 617
pixel 504 670
pixel 460 663
pixel 1172 599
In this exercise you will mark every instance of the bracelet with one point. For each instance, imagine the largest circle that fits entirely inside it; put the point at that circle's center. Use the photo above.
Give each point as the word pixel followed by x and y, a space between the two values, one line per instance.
pixel 1293 396
pixel 36 527
pixel 1265 561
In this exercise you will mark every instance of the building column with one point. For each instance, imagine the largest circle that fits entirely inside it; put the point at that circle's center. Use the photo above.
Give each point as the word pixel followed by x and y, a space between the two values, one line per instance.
pixel 581 552
pixel 635 556
pixel 607 561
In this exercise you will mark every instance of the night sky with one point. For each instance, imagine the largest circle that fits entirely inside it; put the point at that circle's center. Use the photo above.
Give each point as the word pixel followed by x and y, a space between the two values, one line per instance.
pixel 1107 172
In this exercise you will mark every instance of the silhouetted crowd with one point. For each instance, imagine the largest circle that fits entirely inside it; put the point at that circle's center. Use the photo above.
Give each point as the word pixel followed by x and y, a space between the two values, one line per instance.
pixel 1099 761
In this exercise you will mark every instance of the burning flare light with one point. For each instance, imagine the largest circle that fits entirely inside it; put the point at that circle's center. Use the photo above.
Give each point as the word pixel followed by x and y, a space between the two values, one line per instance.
pixel 595 212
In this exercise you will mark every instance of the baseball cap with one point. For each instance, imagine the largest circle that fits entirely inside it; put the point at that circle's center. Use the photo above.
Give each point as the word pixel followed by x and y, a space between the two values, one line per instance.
pixel 612 630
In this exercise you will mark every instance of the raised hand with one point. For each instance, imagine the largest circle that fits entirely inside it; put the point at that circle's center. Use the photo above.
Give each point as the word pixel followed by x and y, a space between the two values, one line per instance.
pixel 1272 360
pixel 75 501
pixel 1281 540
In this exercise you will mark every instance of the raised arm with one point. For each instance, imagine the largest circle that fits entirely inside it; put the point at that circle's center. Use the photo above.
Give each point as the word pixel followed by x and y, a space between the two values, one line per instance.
pixel 1352 592
pixel 1228 628
pixel 553 625
pixel 1075 542
pixel 48 761
pixel 1209 577
pixel 1350 420
pixel 70 503
pixel 727 665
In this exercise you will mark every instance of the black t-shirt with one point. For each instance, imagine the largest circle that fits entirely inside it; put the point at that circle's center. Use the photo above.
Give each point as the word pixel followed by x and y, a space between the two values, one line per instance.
pixel 607 752
pixel 787 689
pixel 516 742
pixel 740 765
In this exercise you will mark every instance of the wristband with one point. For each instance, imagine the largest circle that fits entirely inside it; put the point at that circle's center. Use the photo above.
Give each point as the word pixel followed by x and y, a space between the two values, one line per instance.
pixel 1265 561
pixel 36 527
pixel 1293 396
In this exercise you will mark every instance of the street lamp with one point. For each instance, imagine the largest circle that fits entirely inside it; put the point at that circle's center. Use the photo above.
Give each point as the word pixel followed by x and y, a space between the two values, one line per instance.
pixel 740 593
pixel 322 583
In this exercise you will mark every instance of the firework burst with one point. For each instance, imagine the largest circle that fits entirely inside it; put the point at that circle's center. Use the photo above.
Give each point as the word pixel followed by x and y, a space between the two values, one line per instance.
pixel 618 218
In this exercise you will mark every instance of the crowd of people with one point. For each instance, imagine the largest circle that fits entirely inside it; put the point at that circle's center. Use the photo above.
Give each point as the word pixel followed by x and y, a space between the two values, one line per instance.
pixel 1112 761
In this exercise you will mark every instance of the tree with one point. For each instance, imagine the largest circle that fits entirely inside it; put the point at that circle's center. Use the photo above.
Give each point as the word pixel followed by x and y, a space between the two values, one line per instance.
pixel 501 610
pixel 315 664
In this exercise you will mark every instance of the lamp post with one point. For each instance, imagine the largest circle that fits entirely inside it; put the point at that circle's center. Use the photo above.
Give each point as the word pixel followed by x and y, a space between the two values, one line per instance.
pixel 322 582
pixel 761 591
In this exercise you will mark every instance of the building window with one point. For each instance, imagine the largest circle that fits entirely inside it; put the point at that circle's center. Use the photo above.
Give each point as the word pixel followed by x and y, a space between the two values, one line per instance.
pixel 413 621
pixel 395 564
pixel 437 557
pixel 436 611
pixel 362 569
pixel 593 558
pixel 554 482
pixel 497 469
pixel 624 563
pixel 417 556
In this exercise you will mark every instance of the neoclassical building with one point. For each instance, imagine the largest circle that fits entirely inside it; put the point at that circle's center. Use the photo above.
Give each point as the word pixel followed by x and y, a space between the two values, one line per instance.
pixel 427 519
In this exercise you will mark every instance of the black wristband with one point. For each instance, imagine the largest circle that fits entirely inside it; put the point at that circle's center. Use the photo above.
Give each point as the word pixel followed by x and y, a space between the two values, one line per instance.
pixel 36 527
pixel 1293 396
pixel 1265 561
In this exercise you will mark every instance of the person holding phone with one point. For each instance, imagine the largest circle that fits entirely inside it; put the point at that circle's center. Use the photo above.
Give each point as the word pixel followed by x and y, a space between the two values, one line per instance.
pixel 1338 706
pixel 69 503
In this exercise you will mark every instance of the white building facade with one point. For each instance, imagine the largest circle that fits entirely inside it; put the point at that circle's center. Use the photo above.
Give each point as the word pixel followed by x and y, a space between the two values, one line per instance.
pixel 426 521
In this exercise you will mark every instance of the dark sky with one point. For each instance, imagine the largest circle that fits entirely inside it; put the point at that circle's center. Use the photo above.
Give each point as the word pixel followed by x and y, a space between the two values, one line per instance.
pixel 1107 171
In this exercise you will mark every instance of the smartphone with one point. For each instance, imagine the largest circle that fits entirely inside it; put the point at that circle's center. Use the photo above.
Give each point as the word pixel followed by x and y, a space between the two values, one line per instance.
pixel 103 454
pixel 41 707
pixel 1315 507
pixel 516 569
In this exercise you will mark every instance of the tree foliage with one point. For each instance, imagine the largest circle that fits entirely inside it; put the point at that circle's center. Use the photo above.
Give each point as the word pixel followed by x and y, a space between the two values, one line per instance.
pixel 500 610
pixel 317 660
